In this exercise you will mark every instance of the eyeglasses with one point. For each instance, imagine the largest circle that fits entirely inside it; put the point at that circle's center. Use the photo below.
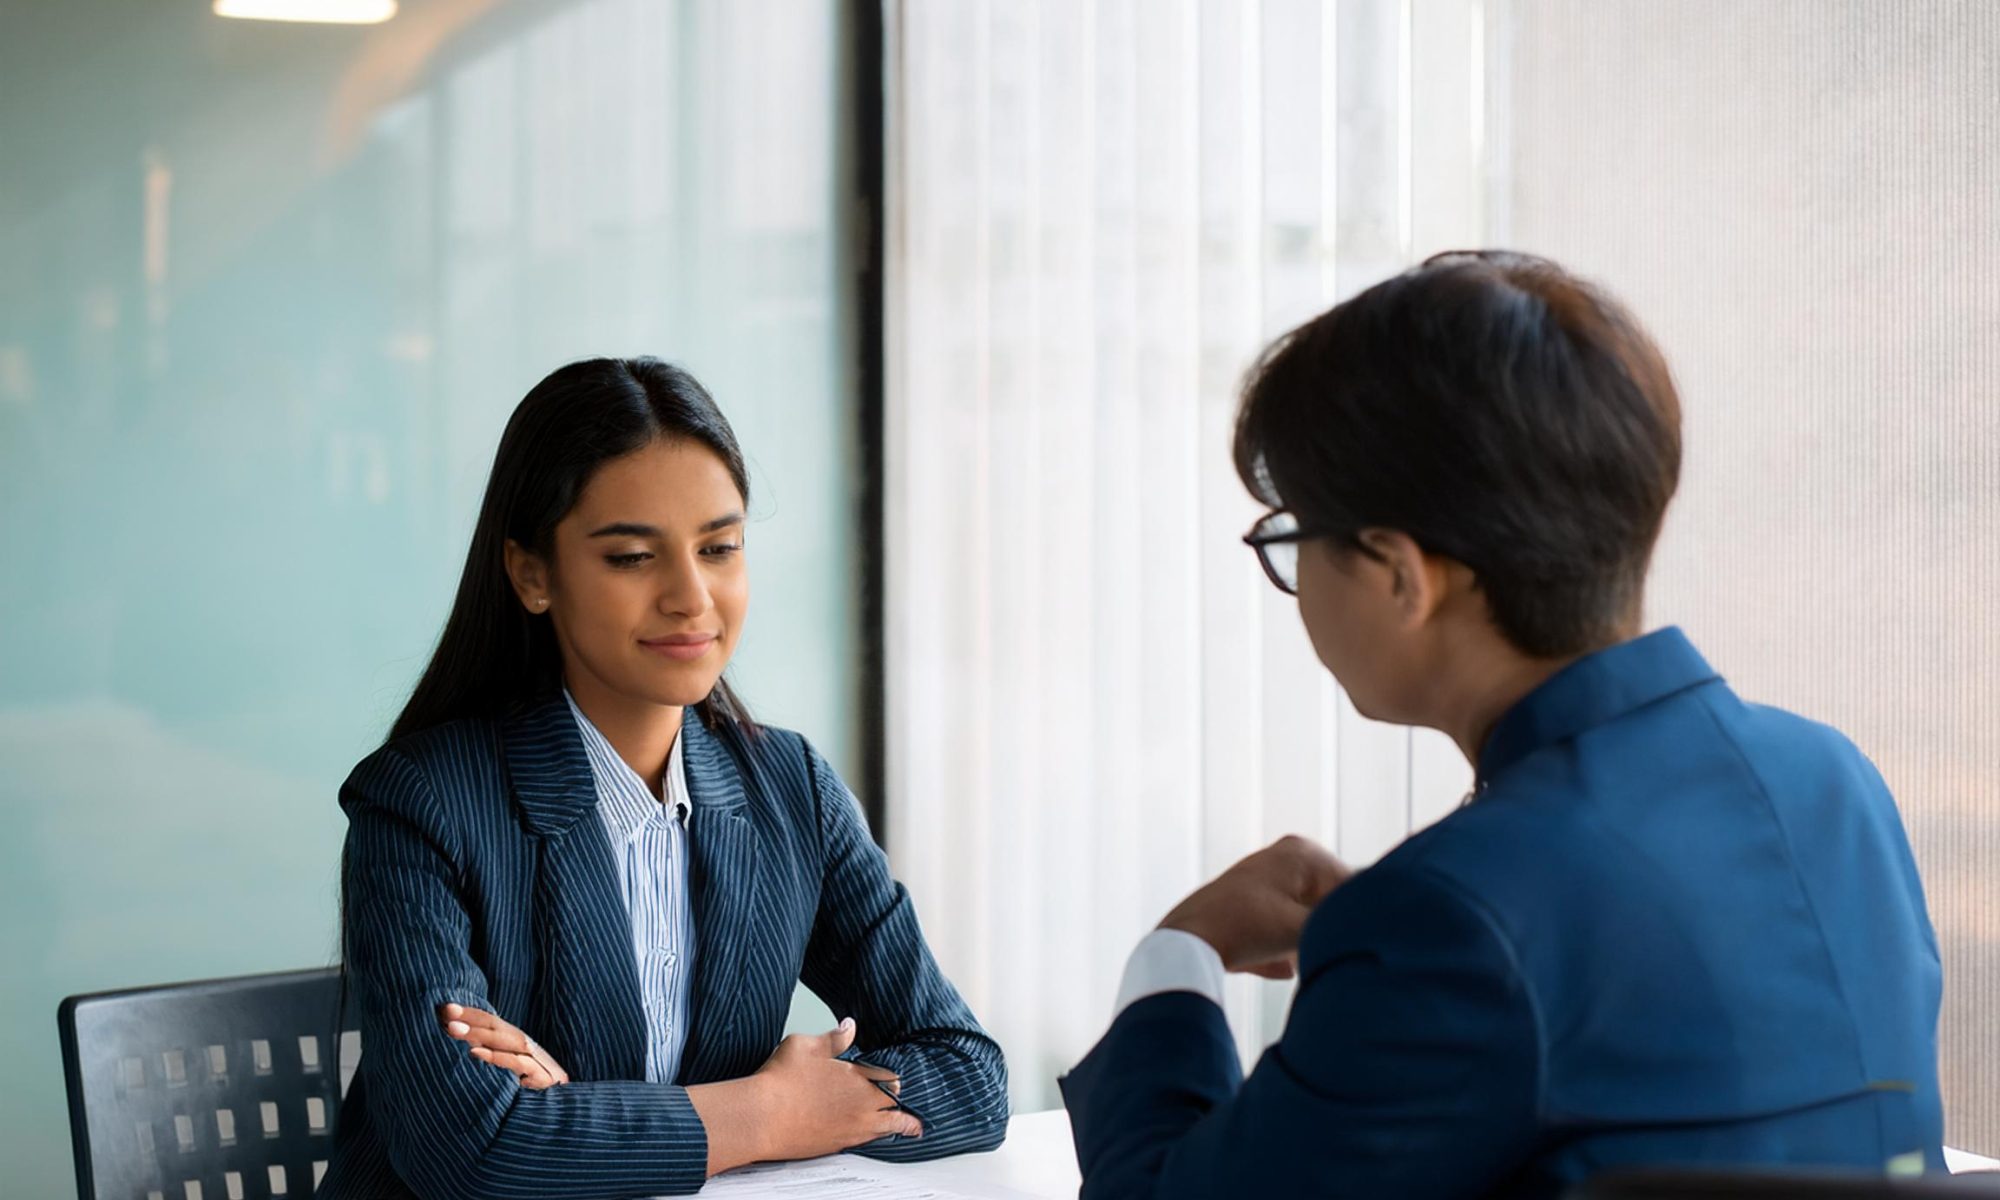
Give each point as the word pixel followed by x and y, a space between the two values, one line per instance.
pixel 1276 540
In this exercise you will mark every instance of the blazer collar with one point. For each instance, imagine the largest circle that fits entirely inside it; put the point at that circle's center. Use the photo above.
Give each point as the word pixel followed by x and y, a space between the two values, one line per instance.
pixel 714 778
pixel 725 882
pixel 588 999
pixel 1594 690
pixel 547 766
pixel 585 1005
pixel 551 772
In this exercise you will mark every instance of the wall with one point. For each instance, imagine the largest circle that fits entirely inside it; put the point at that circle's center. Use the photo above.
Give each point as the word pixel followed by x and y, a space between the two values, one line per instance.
pixel 267 295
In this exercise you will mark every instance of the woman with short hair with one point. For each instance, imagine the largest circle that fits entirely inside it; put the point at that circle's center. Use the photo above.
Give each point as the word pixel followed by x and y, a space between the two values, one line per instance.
pixel 1669 927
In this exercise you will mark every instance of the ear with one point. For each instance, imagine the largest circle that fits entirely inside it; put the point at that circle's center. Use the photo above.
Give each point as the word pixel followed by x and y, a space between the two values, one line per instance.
pixel 529 575
pixel 1417 581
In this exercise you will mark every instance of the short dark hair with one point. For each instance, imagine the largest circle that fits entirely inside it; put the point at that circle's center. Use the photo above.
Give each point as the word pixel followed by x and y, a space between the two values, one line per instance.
pixel 1498 410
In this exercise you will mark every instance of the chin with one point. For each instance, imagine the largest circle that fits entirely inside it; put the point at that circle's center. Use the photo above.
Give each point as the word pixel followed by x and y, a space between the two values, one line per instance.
pixel 688 697
pixel 671 692
pixel 1372 706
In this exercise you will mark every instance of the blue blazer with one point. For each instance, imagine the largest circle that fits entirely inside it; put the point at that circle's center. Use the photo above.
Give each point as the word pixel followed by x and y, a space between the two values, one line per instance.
pixel 1672 928
pixel 477 872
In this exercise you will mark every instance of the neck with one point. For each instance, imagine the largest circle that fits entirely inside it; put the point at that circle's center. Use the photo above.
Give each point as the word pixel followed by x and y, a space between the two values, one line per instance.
pixel 1493 678
pixel 640 731
pixel 1480 704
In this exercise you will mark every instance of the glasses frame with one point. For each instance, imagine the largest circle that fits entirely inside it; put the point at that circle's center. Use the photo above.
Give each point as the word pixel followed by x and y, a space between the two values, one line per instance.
pixel 1262 542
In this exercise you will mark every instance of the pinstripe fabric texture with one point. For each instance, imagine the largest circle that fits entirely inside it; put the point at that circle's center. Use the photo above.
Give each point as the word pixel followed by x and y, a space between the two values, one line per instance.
pixel 648 836
pixel 472 876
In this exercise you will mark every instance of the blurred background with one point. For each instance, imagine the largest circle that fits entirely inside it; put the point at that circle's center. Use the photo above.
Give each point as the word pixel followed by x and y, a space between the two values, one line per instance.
pixel 976 282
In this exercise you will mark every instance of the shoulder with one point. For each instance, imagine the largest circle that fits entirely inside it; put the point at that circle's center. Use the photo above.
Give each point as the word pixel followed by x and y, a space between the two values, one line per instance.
pixel 1523 830
pixel 1514 867
pixel 769 758
pixel 1763 730
pixel 1407 898
pixel 787 777
pixel 431 776
pixel 765 747
pixel 1803 768
pixel 779 767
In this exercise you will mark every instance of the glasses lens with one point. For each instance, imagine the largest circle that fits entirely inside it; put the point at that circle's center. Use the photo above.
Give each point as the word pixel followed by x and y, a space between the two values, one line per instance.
pixel 1282 560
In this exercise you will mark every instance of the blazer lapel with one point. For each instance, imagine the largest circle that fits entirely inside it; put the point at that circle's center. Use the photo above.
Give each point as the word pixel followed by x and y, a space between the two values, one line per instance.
pixel 586 1007
pixel 723 884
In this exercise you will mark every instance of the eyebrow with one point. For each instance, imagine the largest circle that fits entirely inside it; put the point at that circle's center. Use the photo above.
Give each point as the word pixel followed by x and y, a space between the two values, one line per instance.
pixel 635 529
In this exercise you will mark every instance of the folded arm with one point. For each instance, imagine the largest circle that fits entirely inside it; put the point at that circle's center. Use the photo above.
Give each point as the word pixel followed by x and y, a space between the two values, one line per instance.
pixel 867 959
pixel 455 1127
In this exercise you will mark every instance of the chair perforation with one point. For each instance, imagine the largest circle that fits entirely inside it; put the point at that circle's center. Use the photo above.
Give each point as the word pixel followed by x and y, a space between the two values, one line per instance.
pixel 191 1091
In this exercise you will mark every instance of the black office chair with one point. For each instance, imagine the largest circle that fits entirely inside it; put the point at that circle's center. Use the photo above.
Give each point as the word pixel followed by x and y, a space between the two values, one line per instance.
pixel 219 1090
pixel 1785 1184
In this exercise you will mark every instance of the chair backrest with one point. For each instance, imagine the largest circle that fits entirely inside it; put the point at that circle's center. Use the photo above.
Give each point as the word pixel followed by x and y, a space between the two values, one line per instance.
pixel 219 1090
pixel 1780 1184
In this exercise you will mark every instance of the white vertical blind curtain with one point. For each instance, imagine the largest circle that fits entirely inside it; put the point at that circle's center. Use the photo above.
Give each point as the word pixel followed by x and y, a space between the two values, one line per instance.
pixel 1100 212
pixel 1803 201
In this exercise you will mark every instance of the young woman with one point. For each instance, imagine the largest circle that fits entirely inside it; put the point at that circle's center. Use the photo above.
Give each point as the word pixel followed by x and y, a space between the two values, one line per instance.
pixel 575 831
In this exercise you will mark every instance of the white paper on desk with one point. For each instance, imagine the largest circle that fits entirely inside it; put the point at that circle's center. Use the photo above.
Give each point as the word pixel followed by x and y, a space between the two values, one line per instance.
pixel 840 1177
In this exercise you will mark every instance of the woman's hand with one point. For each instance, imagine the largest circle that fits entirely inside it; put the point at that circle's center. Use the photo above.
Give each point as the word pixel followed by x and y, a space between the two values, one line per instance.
pixel 825 1105
pixel 802 1103
pixel 492 1040
pixel 1254 912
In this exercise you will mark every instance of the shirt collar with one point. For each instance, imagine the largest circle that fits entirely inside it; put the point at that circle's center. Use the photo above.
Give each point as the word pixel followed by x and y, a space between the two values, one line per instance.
pixel 1594 690
pixel 624 802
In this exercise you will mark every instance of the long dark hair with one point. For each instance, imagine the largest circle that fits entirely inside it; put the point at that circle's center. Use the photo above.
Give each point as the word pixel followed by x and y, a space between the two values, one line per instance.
pixel 495 657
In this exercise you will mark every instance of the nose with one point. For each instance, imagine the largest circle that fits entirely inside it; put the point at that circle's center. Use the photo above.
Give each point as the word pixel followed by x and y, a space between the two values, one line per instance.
pixel 683 591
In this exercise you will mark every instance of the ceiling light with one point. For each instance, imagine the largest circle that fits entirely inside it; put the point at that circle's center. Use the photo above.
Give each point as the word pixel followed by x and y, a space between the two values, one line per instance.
pixel 325 12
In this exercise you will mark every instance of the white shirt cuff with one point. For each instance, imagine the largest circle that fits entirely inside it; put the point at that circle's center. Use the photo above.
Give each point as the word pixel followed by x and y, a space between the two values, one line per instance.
pixel 1170 960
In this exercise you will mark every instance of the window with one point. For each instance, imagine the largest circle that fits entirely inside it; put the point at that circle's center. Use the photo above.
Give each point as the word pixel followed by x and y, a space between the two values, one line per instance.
pixel 1101 211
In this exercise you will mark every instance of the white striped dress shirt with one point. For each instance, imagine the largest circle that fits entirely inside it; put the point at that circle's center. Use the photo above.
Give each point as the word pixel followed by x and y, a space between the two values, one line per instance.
pixel 648 835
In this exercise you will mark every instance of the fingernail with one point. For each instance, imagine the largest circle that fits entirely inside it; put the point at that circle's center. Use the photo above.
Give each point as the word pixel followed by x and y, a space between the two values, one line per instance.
pixel 846 1023
pixel 459 1027
pixel 453 1010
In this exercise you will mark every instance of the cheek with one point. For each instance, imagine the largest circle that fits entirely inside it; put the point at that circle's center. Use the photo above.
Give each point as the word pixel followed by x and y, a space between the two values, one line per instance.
pixel 612 602
pixel 731 597
pixel 598 613
pixel 1327 627
pixel 1320 607
pixel 1339 626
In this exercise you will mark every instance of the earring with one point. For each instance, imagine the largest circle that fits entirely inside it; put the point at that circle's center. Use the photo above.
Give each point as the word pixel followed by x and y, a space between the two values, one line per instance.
pixel 541 602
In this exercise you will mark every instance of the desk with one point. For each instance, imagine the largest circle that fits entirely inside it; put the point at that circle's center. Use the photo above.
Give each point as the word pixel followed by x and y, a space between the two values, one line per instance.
pixel 1037 1159
pixel 1035 1163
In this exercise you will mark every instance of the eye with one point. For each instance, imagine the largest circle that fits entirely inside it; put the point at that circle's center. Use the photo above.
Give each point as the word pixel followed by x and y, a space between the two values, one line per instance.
pixel 721 549
pixel 626 561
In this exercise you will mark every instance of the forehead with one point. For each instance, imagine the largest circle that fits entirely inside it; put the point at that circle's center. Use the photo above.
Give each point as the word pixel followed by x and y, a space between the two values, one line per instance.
pixel 671 484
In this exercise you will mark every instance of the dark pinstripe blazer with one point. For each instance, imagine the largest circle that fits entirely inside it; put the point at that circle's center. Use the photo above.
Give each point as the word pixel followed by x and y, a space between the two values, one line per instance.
pixel 476 872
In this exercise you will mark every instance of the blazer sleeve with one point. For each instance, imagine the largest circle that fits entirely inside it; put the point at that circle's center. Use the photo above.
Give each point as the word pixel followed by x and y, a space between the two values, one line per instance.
pixel 1409 1067
pixel 867 959
pixel 455 1128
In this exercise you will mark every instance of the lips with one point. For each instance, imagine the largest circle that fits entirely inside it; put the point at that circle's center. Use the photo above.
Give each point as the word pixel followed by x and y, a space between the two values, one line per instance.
pixel 680 647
